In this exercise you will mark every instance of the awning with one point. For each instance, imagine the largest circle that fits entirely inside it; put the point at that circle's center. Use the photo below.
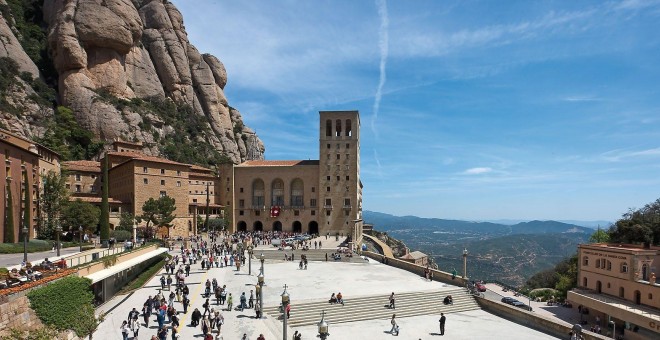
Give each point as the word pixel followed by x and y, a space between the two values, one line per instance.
pixel 105 273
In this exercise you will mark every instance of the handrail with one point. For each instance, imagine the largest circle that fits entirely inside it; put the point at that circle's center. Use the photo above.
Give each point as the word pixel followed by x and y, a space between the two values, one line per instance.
pixel 592 294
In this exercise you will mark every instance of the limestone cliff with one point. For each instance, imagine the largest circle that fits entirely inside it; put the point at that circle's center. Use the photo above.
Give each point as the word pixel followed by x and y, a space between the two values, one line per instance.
pixel 117 62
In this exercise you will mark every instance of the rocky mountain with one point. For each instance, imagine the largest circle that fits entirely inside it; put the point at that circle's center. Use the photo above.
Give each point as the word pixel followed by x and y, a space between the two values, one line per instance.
pixel 125 69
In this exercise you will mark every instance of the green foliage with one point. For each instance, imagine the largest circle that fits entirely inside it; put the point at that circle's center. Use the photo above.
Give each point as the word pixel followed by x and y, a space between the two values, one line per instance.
pixel 146 275
pixel 64 304
pixel 8 73
pixel 188 144
pixel 44 333
pixel 9 216
pixel 216 224
pixel 238 127
pixel 158 212
pixel 599 236
pixel 126 222
pixel 109 261
pixel 65 136
pixel 33 246
pixel 105 206
pixel 121 235
pixel 563 277
pixel 79 213
pixel 636 226
pixel 52 200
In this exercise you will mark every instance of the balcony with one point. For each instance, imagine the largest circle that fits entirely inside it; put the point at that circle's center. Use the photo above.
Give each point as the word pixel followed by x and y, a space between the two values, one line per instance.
pixel 327 207
pixel 347 207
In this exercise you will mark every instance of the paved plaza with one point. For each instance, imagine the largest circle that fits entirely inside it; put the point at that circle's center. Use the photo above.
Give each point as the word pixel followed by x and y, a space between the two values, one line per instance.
pixel 316 283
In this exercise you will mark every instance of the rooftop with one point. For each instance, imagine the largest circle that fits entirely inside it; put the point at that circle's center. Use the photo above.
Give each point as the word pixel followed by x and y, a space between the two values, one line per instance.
pixel 87 166
pixel 414 255
pixel 278 163
pixel 143 157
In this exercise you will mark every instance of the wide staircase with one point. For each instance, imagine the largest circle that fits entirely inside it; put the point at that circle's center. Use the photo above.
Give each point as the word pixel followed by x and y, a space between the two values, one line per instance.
pixel 312 255
pixel 376 307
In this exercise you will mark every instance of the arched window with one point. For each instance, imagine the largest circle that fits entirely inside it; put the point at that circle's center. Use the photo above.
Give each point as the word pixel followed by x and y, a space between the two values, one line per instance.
pixel 624 267
pixel 597 263
pixel 338 128
pixel 297 189
pixel 609 265
pixel 258 193
pixel 277 193
pixel 584 282
pixel 349 127
pixel 621 292
pixel 585 261
pixel 328 127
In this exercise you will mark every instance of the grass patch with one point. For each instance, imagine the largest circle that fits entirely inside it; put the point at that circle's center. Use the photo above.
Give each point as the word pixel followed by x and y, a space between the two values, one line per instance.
pixel 143 278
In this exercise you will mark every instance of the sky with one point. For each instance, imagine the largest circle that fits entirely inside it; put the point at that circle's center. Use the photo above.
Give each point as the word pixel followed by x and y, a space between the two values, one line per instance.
pixel 473 110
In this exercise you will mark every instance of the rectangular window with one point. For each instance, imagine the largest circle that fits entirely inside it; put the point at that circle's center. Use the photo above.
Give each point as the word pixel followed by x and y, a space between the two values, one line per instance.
pixel 162 182
pixel 346 212
pixel 338 178
pixel 178 172
pixel 348 156
pixel 328 146
pixel 145 170
pixel 163 193
pixel 241 203
pixel 145 181
pixel 78 177
pixel 347 202
pixel 348 146
pixel 241 213
pixel 257 213
pixel 312 202
pixel 348 178
pixel 240 190
pixel 327 189
pixel 327 178
pixel 194 200
pixel 338 156
pixel 162 171
pixel 178 183
pixel 313 212
pixel 78 188
pixel 327 213
pixel 328 202
pixel 313 189
pixel 296 213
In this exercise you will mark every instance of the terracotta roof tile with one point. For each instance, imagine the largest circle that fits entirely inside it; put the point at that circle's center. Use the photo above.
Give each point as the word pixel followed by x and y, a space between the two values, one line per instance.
pixel 89 166
pixel 94 199
pixel 279 163
pixel 141 156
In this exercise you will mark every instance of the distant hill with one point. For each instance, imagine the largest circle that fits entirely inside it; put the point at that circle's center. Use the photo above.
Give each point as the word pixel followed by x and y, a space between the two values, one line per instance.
pixel 506 253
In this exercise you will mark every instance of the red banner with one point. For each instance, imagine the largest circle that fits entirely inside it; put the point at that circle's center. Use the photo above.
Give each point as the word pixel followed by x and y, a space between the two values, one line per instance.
pixel 274 211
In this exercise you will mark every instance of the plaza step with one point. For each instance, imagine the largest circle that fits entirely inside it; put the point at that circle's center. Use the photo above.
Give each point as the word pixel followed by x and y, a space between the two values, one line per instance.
pixel 376 307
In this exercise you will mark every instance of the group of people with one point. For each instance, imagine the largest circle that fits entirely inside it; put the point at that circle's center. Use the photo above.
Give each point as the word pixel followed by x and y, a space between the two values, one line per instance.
pixel 337 298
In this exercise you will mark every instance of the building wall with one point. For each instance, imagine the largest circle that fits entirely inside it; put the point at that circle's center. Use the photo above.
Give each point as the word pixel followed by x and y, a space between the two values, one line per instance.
pixel 17 163
pixel 84 183
pixel 249 213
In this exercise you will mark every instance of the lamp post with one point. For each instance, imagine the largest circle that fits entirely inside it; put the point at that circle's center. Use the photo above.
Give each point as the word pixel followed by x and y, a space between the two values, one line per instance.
pixel 58 229
pixel 285 303
pixel 262 258
pixel 25 236
pixel 250 260
pixel 260 281
pixel 323 327
pixel 465 254
pixel 613 329
pixel 80 231
pixel 134 233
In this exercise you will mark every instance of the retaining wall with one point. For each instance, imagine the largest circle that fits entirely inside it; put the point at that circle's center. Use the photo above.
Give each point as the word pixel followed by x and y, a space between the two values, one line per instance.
pixel 438 275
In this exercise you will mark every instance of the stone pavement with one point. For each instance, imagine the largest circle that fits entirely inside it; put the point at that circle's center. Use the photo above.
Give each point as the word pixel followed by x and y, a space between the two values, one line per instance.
pixel 10 260
pixel 317 283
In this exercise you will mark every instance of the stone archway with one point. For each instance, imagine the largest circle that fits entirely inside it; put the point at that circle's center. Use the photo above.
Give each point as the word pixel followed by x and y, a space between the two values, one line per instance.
pixel 297 227
pixel 258 226
pixel 277 226
pixel 242 226
pixel 313 228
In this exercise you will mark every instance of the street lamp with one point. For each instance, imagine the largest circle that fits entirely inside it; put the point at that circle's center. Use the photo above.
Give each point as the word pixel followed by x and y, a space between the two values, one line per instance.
pixel 80 231
pixel 323 327
pixel 260 282
pixel 285 303
pixel 58 229
pixel 262 258
pixel 25 236
pixel 465 254
pixel 613 329
pixel 134 233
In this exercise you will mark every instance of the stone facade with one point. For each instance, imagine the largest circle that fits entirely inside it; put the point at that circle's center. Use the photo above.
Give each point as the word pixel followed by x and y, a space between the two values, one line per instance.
pixel 15 313
pixel 316 196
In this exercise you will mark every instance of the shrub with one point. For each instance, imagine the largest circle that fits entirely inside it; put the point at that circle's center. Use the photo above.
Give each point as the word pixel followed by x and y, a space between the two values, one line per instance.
pixel 121 235
pixel 63 304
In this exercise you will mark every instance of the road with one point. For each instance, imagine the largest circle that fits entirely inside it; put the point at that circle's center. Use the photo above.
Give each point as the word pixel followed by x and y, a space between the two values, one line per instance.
pixel 8 260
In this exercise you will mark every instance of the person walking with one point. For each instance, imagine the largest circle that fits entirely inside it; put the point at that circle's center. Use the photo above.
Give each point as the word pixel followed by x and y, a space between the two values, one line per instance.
pixel 124 330
pixel 251 300
pixel 135 326
pixel 392 301
pixel 230 302
pixel 395 327
pixel 442 323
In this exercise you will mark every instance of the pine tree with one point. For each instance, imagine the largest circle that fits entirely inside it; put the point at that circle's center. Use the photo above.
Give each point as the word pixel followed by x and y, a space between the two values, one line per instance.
pixel 105 206
pixel 9 215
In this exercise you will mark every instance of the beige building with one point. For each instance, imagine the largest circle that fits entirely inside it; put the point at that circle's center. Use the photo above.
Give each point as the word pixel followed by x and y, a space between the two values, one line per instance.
pixel 302 196
pixel 617 282
pixel 416 257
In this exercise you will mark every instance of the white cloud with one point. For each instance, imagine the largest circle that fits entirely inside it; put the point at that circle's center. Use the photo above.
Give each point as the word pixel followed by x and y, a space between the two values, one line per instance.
pixel 581 98
pixel 620 155
pixel 477 171
pixel 383 44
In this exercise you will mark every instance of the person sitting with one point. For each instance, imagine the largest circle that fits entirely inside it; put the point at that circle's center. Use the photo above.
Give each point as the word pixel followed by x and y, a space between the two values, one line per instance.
pixel 448 300
pixel 340 298
pixel 333 298
pixel 47 264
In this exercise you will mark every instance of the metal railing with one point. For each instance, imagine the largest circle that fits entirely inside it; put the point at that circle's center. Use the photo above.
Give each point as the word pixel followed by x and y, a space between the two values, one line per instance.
pixel 620 303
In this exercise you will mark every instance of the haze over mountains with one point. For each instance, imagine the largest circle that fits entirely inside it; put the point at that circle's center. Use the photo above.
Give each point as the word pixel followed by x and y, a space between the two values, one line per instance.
pixel 497 251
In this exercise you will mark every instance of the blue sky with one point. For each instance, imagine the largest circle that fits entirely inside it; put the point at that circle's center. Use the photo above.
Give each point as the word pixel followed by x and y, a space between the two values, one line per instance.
pixel 470 109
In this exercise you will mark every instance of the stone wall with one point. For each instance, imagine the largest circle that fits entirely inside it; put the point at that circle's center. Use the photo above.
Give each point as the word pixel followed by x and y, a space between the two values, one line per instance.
pixel 15 312
pixel 529 319
pixel 417 269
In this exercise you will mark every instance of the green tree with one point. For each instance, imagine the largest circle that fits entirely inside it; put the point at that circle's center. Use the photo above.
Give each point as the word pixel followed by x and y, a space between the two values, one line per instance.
pixel 9 215
pixel 599 236
pixel 27 218
pixel 158 213
pixel 126 221
pixel 54 197
pixel 79 213
pixel 641 225
pixel 105 206
pixel 68 138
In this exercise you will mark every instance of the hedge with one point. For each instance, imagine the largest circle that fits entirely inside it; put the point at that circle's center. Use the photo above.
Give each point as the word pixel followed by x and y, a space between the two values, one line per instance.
pixel 64 304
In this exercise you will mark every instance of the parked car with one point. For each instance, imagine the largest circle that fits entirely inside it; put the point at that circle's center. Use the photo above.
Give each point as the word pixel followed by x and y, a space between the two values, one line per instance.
pixel 521 305
pixel 509 300
pixel 480 287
